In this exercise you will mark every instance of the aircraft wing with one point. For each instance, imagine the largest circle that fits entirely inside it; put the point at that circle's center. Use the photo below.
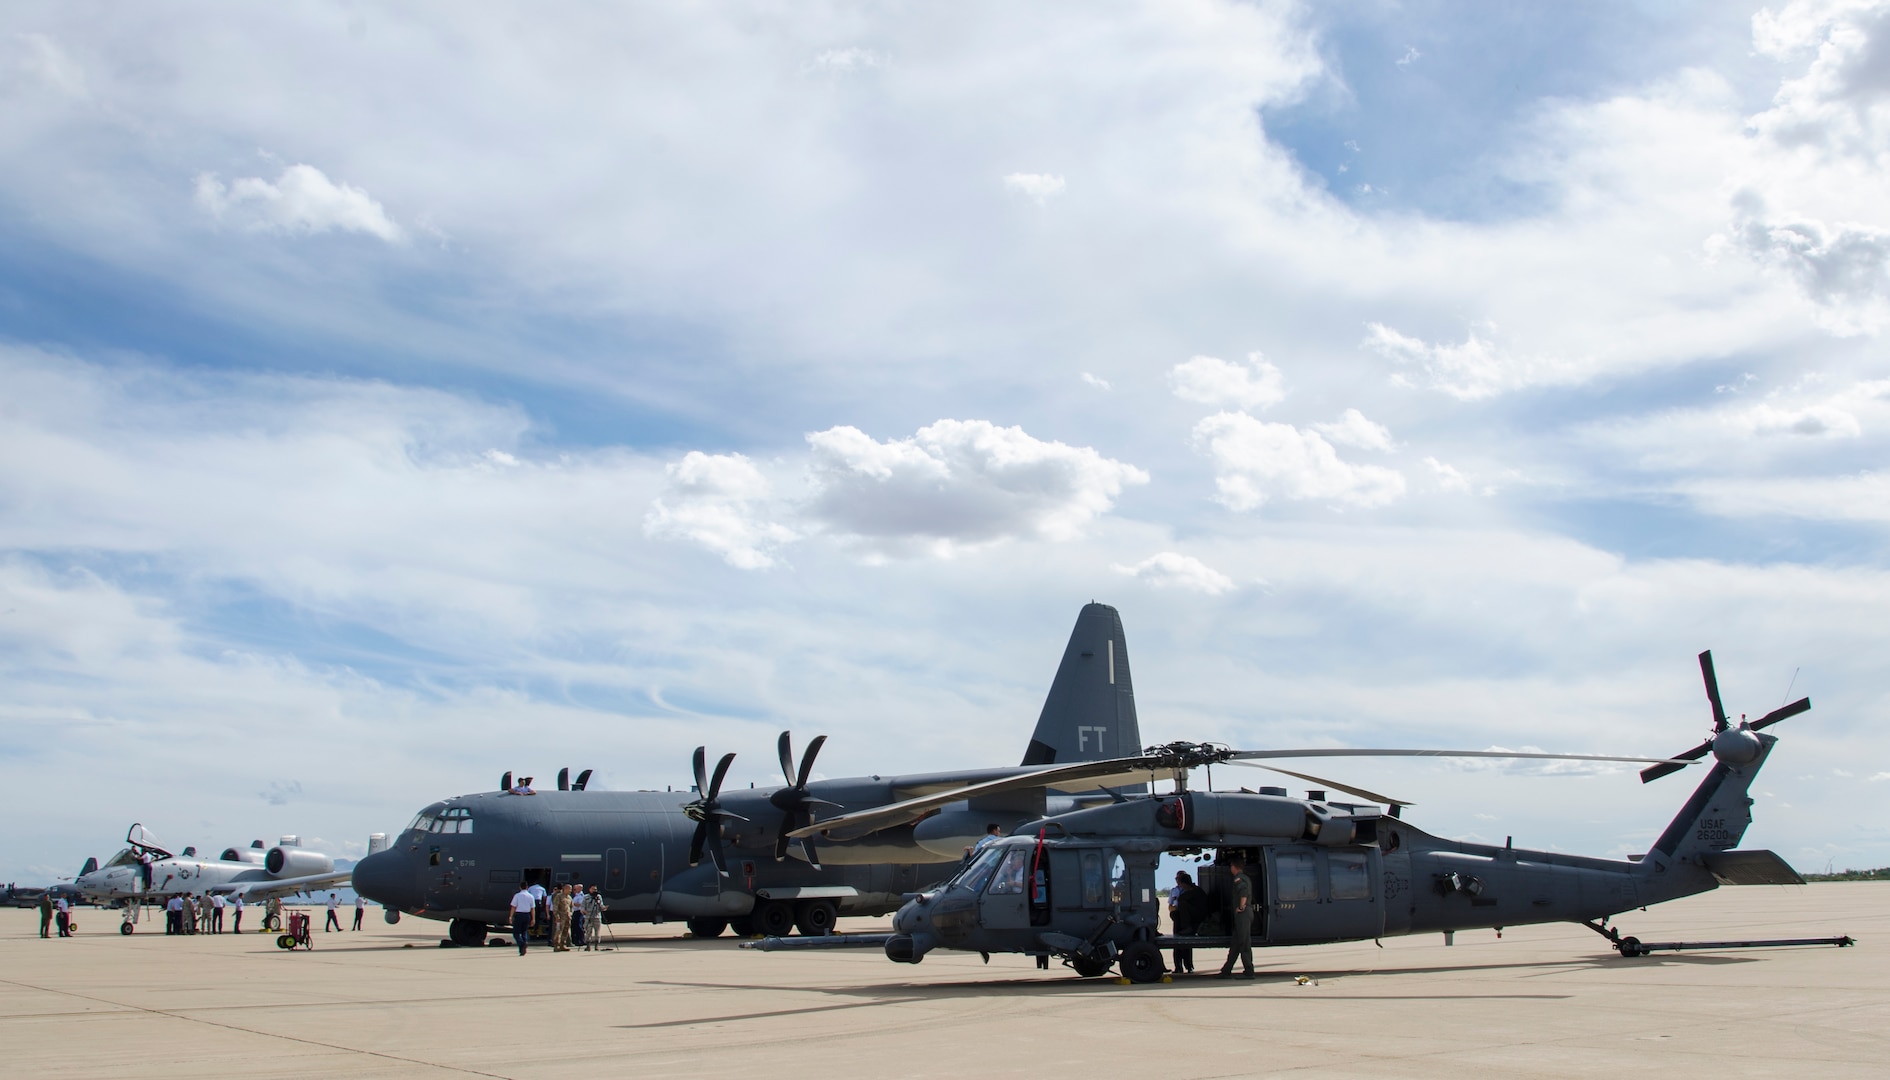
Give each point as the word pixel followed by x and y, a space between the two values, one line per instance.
pixel 263 890
pixel 1110 773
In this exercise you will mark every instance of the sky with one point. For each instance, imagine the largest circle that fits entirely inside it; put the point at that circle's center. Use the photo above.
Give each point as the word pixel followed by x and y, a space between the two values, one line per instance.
pixel 392 397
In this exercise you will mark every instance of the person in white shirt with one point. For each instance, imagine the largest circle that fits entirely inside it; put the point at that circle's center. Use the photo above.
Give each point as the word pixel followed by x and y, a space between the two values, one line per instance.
pixel 334 918
pixel 538 897
pixel 217 904
pixel 236 919
pixel 174 915
pixel 524 914
pixel 360 905
pixel 65 917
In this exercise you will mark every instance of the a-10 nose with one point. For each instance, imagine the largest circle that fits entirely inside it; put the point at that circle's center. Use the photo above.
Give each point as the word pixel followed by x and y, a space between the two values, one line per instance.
pixel 385 878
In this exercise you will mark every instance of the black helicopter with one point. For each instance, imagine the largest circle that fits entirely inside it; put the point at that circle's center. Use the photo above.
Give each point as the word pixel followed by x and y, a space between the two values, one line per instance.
pixel 1081 886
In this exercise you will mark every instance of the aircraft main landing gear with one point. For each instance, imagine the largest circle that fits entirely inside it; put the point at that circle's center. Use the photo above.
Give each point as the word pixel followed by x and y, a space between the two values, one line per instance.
pixel 816 918
pixel 466 933
pixel 773 918
pixel 1142 963
pixel 706 927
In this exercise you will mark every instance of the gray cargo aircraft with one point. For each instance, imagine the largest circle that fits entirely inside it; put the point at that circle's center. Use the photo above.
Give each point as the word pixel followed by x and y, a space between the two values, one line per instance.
pixel 719 858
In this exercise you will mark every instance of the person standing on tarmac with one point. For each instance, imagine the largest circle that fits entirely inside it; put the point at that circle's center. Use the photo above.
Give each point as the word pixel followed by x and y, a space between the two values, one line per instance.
pixel 217 904
pixel 45 914
pixel 593 920
pixel 561 919
pixel 1241 945
pixel 65 917
pixel 360 906
pixel 524 911
pixel 334 918
pixel 236 914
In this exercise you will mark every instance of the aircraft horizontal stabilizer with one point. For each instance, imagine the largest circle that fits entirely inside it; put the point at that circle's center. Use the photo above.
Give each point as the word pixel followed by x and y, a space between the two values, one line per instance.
pixel 1750 868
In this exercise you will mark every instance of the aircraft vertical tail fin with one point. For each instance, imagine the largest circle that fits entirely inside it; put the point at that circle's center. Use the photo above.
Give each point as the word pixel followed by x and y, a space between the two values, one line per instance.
pixel 1089 714
pixel 1715 816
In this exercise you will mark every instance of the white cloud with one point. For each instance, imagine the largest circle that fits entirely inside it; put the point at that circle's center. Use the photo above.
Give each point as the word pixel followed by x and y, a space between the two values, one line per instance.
pixel 1353 429
pixel 717 501
pixel 1411 55
pixel 848 59
pixel 1838 103
pixel 1844 269
pixel 959 482
pixel 1470 371
pixel 1448 477
pixel 1040 187
pixel 1097 381
pixel 1879 776
pixel 1210 380
pixel 1171 569
pixel 301 200
pixel 1255 461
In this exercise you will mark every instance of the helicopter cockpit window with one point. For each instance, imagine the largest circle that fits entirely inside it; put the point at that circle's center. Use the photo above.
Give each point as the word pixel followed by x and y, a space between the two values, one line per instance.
pixel 974 876
pixel 1298 877
pixel 1118 881
pixel 1009 880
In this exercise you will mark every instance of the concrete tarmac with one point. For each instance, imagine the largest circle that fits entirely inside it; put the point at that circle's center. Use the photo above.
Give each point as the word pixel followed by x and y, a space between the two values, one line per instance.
pixel 1548 1001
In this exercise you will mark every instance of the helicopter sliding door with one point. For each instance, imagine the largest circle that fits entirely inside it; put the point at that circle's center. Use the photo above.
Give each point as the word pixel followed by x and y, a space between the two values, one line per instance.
pixel 1320 894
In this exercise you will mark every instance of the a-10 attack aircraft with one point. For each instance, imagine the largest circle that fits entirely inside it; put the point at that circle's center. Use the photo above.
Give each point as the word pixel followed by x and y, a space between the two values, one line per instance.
pixel 718 858
pixel 1081 886
pixel 146 872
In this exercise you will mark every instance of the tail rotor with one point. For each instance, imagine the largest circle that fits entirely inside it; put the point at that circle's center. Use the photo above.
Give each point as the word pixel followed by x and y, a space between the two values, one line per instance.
pixel 1734 745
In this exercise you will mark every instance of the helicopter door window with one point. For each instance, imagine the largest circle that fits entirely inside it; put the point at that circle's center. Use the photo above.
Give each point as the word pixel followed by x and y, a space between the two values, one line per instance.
pixel 1351 878
pixel 1297 876
pixel 1009 880
pixel 1118 881
pixel 1093 893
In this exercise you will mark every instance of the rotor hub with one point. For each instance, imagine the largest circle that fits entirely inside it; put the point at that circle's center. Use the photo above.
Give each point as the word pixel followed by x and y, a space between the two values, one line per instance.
pixel 1737 746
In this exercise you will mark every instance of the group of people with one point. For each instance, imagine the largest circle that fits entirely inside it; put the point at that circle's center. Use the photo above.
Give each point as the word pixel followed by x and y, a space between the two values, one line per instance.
pixel 334 912
pixel 1189 906
pixel 53 911
pixel 573 914
pixel 189 913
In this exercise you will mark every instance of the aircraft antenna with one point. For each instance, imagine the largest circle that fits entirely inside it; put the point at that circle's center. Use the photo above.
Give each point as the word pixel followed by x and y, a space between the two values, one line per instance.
pixel 1788 686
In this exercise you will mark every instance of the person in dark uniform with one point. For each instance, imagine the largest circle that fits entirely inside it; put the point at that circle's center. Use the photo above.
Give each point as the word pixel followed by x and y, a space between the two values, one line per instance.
pixel 1241 945
pixel 1187 906
pixel 45 914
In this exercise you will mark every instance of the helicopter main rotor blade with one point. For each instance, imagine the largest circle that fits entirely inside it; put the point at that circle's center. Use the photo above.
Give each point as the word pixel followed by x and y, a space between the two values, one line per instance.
pixel 1334 752
pixel 1712 691
pixel 1333 784
pixel 1803 704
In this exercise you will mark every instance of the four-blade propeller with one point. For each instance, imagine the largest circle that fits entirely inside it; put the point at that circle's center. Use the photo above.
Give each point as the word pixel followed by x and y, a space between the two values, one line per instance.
pixel 1720 723
pixel 795 804
pixel 706 811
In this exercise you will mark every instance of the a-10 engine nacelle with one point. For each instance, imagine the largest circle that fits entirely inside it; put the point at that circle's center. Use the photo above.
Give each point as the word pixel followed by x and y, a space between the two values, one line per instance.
pixel 253 854
pixel 287 862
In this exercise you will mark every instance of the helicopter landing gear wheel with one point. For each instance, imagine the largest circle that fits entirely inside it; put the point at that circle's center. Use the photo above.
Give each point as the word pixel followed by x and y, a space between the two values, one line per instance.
pixel 1087 968
pixel 816 918
pixel 466 933
pixel 773 918
pixel 706 928
pixel 1631 948
pixel 1142 962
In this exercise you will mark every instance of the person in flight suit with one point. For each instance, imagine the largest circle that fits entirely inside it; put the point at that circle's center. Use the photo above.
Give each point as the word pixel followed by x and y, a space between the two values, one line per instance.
pixel 1241 945
pixel 45 914
pixel 561 919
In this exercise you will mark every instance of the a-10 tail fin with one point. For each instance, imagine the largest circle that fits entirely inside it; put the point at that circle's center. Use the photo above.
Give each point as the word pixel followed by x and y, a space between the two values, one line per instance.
pixel 1089 714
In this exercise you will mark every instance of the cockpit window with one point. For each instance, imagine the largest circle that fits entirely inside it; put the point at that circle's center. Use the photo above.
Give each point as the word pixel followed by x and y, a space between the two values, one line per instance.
pixel 123 858
pixel 421 823
pixel 1009 880
pixel 456 820
pixel 974 876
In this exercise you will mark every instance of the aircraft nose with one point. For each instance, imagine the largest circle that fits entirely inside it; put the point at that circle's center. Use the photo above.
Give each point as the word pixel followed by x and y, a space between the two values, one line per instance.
pixel 385 878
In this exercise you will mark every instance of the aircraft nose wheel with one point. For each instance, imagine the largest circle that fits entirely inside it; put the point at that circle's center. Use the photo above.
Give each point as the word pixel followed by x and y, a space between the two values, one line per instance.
pixel 124 928
pixel 1631 948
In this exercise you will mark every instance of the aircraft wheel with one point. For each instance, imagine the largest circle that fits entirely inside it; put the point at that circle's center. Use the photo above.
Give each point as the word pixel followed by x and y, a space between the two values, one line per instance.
pixel 707 928
pixel 271 923
pixel 743 926
pixel 286 941
pixel 1142 962
pixel 124 928
pixel 816 918
pixel 1631 947
pixel 1088 968
pixel 773 918
pixel 466 933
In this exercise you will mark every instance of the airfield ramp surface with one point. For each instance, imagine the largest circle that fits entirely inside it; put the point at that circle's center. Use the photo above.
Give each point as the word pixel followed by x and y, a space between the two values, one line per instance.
pixel 387 1002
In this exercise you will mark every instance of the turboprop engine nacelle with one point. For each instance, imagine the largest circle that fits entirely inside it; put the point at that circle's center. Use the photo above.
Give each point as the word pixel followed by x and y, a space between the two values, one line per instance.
pixel 286 862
